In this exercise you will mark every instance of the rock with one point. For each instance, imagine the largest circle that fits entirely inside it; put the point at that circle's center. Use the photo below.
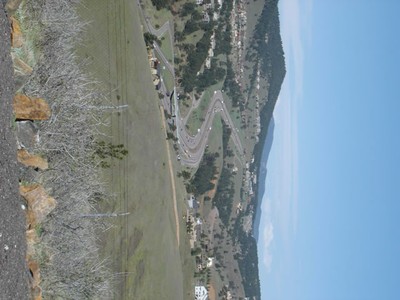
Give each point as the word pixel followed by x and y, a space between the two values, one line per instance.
pixel 30 160
pixel 27 134
pixel 30 108
pixel 34 269
pixel 31 240
pixel 22 71
pixel 21 67
pixel 36 290
pixel 37 293
pixel 12 5
pixel 16 34
pixel 20 81
pixel 40 204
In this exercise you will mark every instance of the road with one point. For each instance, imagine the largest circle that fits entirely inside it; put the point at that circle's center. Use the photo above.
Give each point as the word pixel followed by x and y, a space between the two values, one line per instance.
pixel 164 59
pixel 13 265
pixel 191 148
pixel 172 179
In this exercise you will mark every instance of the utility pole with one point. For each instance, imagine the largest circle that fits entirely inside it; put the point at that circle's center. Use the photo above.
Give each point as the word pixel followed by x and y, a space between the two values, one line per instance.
pixel 105 215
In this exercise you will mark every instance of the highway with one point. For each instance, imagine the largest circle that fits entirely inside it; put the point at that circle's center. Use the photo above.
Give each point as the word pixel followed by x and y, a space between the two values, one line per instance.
pixel 192 148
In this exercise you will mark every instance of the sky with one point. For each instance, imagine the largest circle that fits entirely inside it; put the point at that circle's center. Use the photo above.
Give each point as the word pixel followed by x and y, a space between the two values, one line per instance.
pixel 331 212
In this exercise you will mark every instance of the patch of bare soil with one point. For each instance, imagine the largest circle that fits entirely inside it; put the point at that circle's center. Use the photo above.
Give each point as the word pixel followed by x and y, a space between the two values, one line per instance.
pixel 212 294
pixel 13 269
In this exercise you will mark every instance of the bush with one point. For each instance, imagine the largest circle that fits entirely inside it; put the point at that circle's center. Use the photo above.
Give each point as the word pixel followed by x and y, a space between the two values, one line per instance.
pixel 201 182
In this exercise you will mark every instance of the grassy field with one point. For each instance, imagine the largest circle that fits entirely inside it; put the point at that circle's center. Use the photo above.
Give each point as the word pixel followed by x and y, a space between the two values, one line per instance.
pixel 141 247
pixel 198 114
pixel 156 17
pixel 194 37
pixel 166 76
pixel 166 47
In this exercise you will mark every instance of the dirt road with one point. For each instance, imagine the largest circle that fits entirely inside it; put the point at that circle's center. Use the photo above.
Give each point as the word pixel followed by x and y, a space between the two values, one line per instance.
pixel 171 175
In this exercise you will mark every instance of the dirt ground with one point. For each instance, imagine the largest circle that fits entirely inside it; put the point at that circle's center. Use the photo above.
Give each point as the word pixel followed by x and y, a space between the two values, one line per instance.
pixel 212 295
pixel 13 271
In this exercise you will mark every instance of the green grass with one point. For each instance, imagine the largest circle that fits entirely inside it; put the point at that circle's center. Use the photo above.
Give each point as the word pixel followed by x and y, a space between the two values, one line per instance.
pixel 184 107
pixel 166 75
pixel 236 119
pixel 198 114
pixel 194 37
pixel 157 17
pixel 141 246
pixel 166 47
pixel 194 122
pixel 215 138
pixel 168 79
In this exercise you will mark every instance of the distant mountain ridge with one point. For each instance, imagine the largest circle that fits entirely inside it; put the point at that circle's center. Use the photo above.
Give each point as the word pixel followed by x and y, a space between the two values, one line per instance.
pixel 267 43
pixel 262 174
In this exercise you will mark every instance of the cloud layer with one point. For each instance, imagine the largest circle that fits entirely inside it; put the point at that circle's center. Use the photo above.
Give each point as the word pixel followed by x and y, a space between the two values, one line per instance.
pixel 279 211
pixel 268 236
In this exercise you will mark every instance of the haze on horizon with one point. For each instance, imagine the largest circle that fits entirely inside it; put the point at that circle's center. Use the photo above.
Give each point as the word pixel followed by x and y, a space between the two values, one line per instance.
pixel 329 216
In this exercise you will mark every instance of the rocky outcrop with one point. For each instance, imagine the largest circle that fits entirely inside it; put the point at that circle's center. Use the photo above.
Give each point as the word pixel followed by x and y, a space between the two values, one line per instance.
pixel 31 160
pixel 16 34
pixel 21 67
pixel 31 239
pixel 27 134
pixel 40 204
pixel 22 71
pixel 12 5
pixel 36 290
pixel 30 108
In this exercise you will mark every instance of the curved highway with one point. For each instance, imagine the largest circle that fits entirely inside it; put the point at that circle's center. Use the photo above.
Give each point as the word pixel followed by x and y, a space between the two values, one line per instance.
pixel 192 147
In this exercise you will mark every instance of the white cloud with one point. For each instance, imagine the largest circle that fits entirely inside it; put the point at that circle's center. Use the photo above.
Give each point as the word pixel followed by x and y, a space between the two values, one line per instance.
pixel 280 209
pixel 295 30
pixel 268 236
pixel 295 16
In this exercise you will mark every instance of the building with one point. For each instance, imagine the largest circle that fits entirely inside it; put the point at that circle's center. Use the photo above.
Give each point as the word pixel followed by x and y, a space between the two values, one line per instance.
pixel 200 292
pixel 210 262
pixel 191 201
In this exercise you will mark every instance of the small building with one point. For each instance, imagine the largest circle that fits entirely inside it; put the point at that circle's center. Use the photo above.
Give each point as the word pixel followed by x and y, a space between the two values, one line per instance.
pixel 200 292
pixel 210 262
pixel 193 203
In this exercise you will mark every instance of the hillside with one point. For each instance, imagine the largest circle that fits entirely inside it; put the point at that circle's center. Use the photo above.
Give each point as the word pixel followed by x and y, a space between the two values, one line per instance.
pixel 273 66
pixel 246 56
pixel 262 175
pixel 155 118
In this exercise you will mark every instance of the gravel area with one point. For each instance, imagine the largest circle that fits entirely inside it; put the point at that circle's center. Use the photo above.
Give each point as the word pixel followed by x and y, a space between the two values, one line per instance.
pixel 13 270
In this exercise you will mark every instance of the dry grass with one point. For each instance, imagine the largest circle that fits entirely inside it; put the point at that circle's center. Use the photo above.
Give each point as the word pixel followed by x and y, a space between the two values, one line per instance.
pixel 68 251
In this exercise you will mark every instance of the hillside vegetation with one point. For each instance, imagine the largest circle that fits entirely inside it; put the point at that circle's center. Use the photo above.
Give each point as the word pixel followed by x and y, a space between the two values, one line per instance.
pixel 67 250
pixel 273 67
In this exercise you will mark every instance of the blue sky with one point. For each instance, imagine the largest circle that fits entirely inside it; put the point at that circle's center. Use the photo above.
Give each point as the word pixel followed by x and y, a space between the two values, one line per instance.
pixel 331 214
